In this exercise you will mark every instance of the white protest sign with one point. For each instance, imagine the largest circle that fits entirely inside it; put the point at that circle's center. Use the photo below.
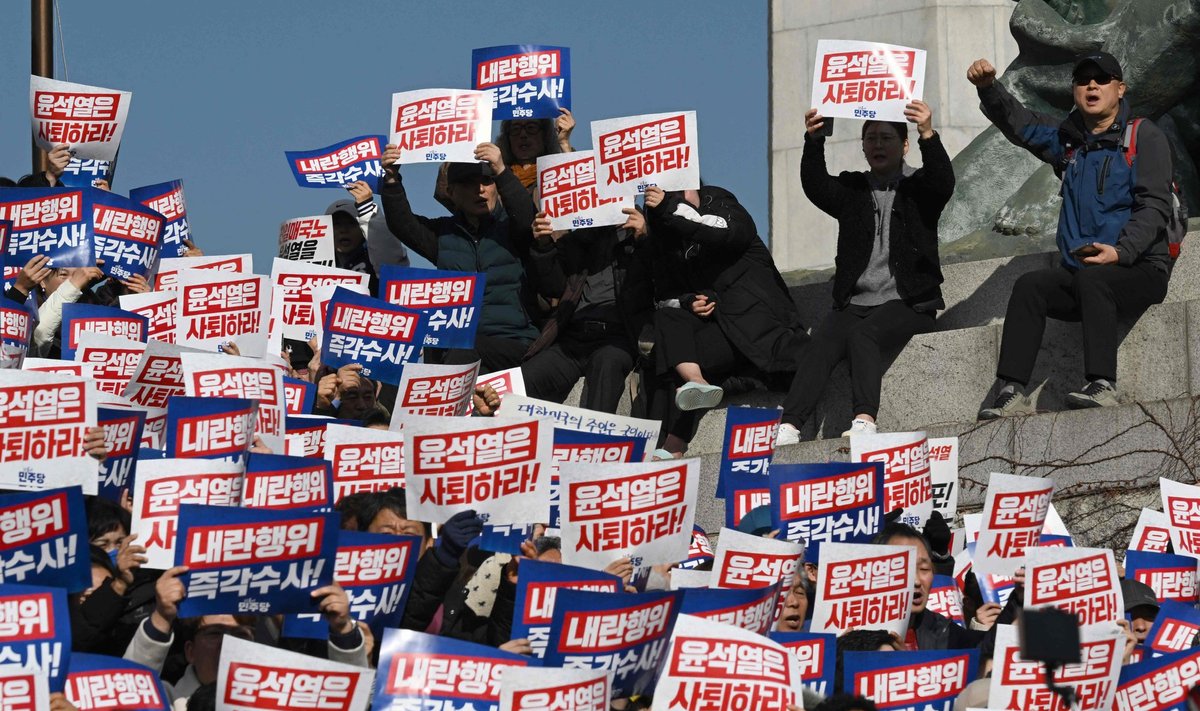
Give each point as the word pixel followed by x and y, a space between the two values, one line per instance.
pixel 60 367
pixel 943 474
pixel 498 466
pixel 636 152
pixel 159 309
pixel 544 688
pixel 167 276
pixel 259 677
pixel 505 382
pixel 440 125
pixel 363 459
pixel 567 193
pixel 864 586
pixel 866 80
pixel 643 510
pixel 1181 506
pixel 307 239
pixel 26 688
pixel 435 391
pixel 1021 685
pixel 682 578
pixel 89 119
pixel 215 308
pixel 907 483
pixel 1082 581
pixel 159 375
pixel 581 419
pixel 746 561
pixel 114 359
pixel 162 485
pixel 44 418
pixel 154 431
pixel 1151 534
pixel 1014 512
pixel 294 284
pixel 212 376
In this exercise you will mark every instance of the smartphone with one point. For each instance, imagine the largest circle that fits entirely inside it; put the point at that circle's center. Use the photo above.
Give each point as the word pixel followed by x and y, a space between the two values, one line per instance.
pixel 1087 250
pixel 826 129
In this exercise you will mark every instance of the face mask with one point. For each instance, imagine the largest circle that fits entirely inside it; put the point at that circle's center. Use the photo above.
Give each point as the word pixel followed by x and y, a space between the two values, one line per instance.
pixel 112 555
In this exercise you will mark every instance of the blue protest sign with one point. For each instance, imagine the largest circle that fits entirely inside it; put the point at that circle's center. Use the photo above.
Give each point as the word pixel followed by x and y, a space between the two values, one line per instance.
pixel 340 164
pixel 1159 684
pixel 253 560
pixel 526 81
pixel 1175 628
pixel 376 570
pixel 626 633
pixel 123 437
pixel 126 234
pixel 375 334
pixel 212 428
pixel 102 683
pixel 167 200
pixel 56 222
pixel 538 583
pixel 418 670
pixel 278 481
pixel 80 318
pixel 43 539
pixel 84 172
pixel 946 599
pixel 36 631
pixel 1172 577
pixel 299 395
pixel 505 537
pixel 743 478
pixel 816 652
pixel 916 681
pixel 304 435
pixel 752 609
pixel 699 552
pixel 835 502
pixel 451 301
pixel 16 328
pixel 578 446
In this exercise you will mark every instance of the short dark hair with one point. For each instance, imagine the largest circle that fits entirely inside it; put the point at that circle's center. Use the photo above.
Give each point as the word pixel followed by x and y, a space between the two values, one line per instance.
pixel 900 127
pixel 204 698
pixel 392 500
pixel 837 702
pixel 378 416
pixel 104 516
pixel 857 641
pixel 895 529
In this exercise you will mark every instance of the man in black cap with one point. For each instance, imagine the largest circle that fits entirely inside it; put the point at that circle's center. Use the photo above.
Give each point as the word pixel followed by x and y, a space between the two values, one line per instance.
pixel 1112 227
pixel 1141 604
pixel 489 231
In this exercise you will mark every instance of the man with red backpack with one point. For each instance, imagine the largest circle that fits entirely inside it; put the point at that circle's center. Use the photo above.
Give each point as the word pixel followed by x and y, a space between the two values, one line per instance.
pixel 1117 229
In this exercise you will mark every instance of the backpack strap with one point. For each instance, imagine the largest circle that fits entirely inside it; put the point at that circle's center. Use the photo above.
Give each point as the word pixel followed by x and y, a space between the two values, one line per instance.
pixel 1129 141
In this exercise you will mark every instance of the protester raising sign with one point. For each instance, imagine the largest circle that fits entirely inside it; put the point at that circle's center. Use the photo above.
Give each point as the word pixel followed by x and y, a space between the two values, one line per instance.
pixel 1014 511
pixel 100 683
pixel 307 239
pixel 210 428
pixel 538 584
pixel 259 677
pixel 636 152
pixel 167 200
pixel 524 81
pixel 277 481
pixel 104 320
pixel 743 479
pixel 451 301
pixel 1020 685
pixel 159 375
pixel 864 586
pixel 378 336
pixel 438 125
pixel 544 689
pixel 567 193
pixel 44 419
pixel 745 561
pixel 418 670
pixel 833 502
pixel 56 222
pixel 89 119
pixel 36 633
pixel 114 359
pixel 927 680
pixel 435 390
pixel 1082 581
pixel 169 268
pixel 127 235
pixel 211 376
pixel 50 546
pixel 294 284
pixel 215 308
pixel 162 485
pixel 907 484
pixel 362 459
pixel 866 80
pixel 158 308
pixel 339 165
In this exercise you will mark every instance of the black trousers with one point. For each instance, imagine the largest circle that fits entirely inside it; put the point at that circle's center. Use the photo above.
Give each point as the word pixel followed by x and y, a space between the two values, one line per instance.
pixel 602 359
pixel 863 334
pixel 1099 297
pixel 682 337
pixel 492 353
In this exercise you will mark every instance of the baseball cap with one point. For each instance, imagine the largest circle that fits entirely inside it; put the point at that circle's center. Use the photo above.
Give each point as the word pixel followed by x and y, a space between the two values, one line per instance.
pixel 1102 60
pixel 1136 593
pixel 756 522
pixel 465 172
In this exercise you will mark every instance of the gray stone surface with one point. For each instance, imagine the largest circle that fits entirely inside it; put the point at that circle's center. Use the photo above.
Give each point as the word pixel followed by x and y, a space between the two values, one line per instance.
pixel 1193 350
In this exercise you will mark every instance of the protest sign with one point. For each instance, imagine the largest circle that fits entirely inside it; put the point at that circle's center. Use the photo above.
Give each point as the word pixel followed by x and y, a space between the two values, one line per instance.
pixel 167 276
pixel 745 561
pixel 708 660
pixel 743 479
pixel 523 81
pixel 626 634
pixel 277 481
pixel 1021 685
pixel 215 308
pixel 223 376
pixel 451 301
pixel 167 200
pixel 567 193
pixel 946 599
pixel 864 586
pixel 505 382
pixel 380 337
pixel 104 320
pixel 113 359
pixel 126 234
pixel 1082 581
pixel 210 428
pixel 834 502
pixel 866 80
pixel 59 367
pixel 362 459
pixel 907 483
pixel 816 655
pixel 86 172
pixel 435 390
pixel 339 165
pixel 684 579
pixel 35 633
pixel 943 474
pixel 543 689
pixel 1014 511
pixel 644 511
pixel 44 419
pixel 158 308
pixel 1181 504
pixel 159 375
pixel 572 446
pixel 89 119
pixel 499 468
pixel 44 539
pixel 260 677
pixel 1172 577
pixel 440 125
pixel 307 239
pixel 100 683
pixel 162 485
pixel 418 670
pixel 376 570
pixel 750 609
pixel 582 420
pixel 1175 628
pixel 1160 684
pixel 256 561
pixel 538 583
pixel 122 438
pixel 56 222
pixel 926 680
pixel 1152 532
pixel 636 152
pixel 699 552
pixel 24 688
pixel 16 328
pixel 294 282
pixel 299 396
pixel 306 435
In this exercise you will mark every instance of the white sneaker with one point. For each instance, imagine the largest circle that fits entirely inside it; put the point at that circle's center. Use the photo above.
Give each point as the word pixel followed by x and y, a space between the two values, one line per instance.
pixel 860 426
pixel 787 434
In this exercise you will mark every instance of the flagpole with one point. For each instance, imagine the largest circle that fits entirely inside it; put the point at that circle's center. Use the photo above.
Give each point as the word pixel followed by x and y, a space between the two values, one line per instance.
pixel 41 58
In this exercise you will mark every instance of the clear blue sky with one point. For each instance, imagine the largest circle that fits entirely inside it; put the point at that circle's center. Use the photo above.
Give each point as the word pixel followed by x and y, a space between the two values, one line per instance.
pixel 221 88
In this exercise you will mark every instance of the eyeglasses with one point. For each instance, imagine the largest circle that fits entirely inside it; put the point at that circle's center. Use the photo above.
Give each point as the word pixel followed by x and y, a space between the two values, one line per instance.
pixel 1101 79
pixel 532 128
pixel 880 138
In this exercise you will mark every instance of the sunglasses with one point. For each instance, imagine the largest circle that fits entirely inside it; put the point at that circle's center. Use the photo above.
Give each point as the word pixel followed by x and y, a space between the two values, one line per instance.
pixel 526 129
pixel 1101 79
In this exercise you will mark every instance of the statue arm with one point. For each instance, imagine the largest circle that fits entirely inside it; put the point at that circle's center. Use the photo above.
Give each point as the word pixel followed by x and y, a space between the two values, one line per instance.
pixel 1033 131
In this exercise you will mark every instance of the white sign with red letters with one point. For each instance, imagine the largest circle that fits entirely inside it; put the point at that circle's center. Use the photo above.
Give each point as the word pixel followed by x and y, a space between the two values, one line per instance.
pixel 435 391
pixel 1181 505
pixel 364 459
pixel 866 80
pixel 1151 534
pixel 567 193
pixel 215 308
pixel 167 276
pixel 307 239
pixel 907 483
pixel 162 485
pixel 1014 512
pixel 89 119
pixel 943 473
pixel 636 152
pixel 1082 581
pixel 159 375
pixel 208 375
pixel 746 561
pixel 440 125
pixel 294 284
pixel 24 688
pixel 258 677
pixel 114 359
pixel 159 309
pixel 1021 685
pixel 542 689
pixel 44 419
pixel 864 586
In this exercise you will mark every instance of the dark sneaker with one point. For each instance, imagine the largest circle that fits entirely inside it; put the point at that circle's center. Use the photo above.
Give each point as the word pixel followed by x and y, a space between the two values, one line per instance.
pixel 1008 404
pixel 1097 393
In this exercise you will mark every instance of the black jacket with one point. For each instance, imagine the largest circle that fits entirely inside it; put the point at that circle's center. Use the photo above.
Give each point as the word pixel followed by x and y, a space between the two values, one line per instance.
pixel 913 238
pixel 431 582
pixel 935 631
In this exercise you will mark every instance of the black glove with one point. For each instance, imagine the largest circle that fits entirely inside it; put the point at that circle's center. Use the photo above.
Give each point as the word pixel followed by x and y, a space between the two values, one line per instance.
pixel 455 535
pixel 937 533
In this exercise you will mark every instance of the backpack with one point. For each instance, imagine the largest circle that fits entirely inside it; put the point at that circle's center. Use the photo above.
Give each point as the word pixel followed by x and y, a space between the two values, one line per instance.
pixel 1177 222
